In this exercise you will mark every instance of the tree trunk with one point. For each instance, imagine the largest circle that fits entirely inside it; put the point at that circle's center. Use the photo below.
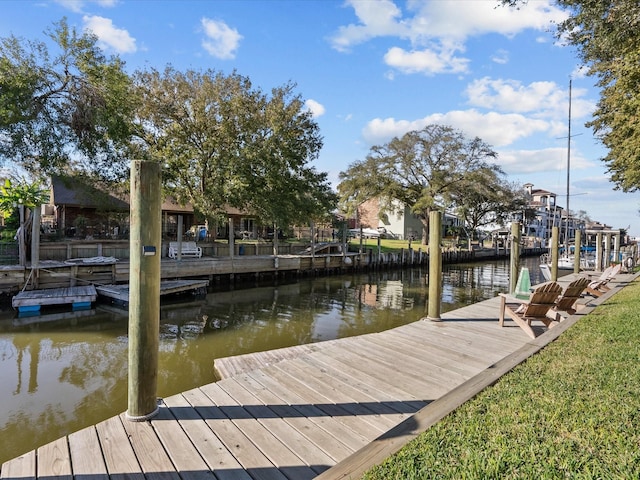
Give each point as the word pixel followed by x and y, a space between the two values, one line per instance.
pixel 425 229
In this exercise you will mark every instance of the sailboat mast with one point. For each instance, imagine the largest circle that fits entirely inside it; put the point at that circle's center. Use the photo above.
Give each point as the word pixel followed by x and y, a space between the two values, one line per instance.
pixel 566 237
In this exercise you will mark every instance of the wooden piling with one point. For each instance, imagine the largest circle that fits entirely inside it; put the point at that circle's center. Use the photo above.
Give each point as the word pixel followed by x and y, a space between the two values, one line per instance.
pixel 435 266
pixel 555 235
pixel 144 290
pixel 577 253
pixel 599 255
pixel 514 259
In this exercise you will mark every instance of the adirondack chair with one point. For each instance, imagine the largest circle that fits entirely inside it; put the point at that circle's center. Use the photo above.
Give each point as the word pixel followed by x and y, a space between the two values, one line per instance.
pixel 537 307
pixel 599 286
pixel 570 295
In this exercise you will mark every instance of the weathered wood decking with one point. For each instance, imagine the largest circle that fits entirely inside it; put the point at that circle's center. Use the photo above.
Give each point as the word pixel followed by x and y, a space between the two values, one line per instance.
pixel 34 299
pixel 328 412
pixel 120 293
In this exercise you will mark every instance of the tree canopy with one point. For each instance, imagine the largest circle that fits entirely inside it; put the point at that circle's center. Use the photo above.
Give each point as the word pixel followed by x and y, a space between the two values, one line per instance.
pixel 222 142
pixel 606 34
pixel 225 143
pixel 64 110
pixel 424 170
pixel 487 198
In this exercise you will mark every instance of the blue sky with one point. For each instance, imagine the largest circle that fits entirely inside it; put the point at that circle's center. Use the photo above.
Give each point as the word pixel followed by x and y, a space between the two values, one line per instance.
pixel 374 69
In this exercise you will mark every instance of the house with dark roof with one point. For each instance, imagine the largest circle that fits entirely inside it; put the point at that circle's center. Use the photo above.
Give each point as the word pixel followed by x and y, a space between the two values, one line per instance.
pixel 78 209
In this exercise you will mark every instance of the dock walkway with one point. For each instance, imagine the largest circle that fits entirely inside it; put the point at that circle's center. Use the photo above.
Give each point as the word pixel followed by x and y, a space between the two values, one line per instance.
pixel 330 411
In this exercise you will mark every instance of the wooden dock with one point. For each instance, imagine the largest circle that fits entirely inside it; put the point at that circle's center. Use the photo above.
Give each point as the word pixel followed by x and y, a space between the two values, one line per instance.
pixel 120 293
pixel 330 411
pixel 31 300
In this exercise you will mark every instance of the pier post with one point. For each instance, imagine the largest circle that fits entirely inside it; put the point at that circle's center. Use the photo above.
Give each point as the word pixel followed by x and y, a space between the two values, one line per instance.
pixel 179 234
pixel 35 247
pixel 435 266
pixel 577 252
pixel 231 239
pixel 144 290
pixel 514 259
pixel 599 257
pixel 555 233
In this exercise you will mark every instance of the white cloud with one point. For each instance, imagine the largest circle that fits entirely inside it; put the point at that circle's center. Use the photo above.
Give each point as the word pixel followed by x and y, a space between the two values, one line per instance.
pixel 465 18
pixel 548 160
pixel 316 108
pixel 379 18
pixel 426 61
pixel 77 6
pixel 494 128
pixel 435 31
pixel 109 36
pixel 222 41
pixel 541 99
pixel 501 57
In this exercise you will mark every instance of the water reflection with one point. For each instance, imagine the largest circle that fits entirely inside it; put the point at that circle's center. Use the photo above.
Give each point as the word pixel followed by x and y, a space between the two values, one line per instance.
pixel 62 371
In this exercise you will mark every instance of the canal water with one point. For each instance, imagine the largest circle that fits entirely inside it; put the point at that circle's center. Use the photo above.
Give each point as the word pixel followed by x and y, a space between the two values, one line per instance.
pixel 62 371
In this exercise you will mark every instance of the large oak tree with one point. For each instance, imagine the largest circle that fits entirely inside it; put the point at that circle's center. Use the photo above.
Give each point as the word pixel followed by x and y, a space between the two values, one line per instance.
pixel 423 170
pixel 225 143
pixel 63 108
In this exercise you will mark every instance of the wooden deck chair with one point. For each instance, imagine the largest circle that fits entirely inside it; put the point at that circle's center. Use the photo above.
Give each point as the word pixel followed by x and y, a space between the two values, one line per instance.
pixel 537 307
pixel 570 295
pixel 599 286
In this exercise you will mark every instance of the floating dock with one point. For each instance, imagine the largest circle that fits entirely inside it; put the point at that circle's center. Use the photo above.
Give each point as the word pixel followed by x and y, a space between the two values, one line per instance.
pixel 119 294
pixel 30 301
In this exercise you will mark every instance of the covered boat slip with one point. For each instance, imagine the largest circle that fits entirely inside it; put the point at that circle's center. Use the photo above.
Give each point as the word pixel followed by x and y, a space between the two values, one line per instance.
pixel 329 411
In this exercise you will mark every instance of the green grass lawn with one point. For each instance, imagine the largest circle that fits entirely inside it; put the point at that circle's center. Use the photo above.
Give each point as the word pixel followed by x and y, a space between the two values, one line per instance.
pixel 571 411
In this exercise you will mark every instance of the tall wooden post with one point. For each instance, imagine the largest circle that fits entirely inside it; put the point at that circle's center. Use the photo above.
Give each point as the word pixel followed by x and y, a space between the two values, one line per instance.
pixel 514 263
pixel 312 229
pixel 144 290
pixel 22 247
pixel 231 238
pixel 179 234
pixel 555 233
pixel 435 266
pixel 35 246
pixel 599 255
pixel 577 253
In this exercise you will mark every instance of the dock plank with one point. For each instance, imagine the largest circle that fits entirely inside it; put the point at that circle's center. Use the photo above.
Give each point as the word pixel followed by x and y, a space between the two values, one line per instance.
pixel 53 460
pixel 221 462
pixel 117 451
pixel 248 455
pixel 308 396
pixel 23 467
pixel 86 455
pixel 342 428
pixel 312 454
pixel 268 443
pixel 331 436
pixel 387 413
pixel 151 455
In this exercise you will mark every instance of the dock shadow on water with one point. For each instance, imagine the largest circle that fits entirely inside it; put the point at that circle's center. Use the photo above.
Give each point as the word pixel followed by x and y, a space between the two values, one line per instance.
pixel 62 371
